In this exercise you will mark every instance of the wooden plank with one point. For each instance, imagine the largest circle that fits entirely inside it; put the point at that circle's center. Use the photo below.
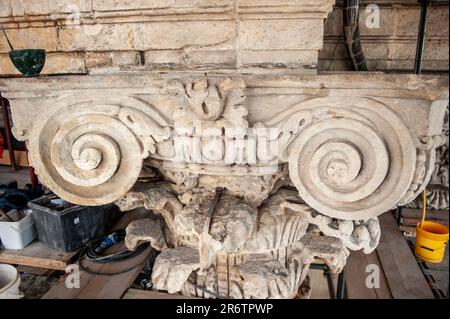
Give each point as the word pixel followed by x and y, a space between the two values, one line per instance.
pixel 355 277
pixel 383 292
pixel 403 274
pixel 409 221
pixel 148 294
pixel 35 271
pixel 98 286
pixel 37 254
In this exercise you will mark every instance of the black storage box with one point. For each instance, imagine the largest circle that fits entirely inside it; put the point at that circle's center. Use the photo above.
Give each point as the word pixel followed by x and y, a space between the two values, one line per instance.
pixel 71 228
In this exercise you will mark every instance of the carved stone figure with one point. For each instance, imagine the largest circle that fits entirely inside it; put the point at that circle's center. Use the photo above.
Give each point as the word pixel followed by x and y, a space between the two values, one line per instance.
pixel 240 251
pixel 438 189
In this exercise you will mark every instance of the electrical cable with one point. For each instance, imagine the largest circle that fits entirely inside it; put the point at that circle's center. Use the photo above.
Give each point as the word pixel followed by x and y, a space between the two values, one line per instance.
pixel 88 252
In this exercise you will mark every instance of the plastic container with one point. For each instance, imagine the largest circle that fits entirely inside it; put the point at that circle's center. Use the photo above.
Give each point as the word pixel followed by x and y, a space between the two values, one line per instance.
pixel 17 235
pixel 431 240
pixel 9 282
pixel 68 229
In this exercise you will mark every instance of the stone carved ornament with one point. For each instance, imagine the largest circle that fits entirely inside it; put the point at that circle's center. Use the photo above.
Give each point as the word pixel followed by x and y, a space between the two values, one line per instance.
pixel 438 188
pixel 304 185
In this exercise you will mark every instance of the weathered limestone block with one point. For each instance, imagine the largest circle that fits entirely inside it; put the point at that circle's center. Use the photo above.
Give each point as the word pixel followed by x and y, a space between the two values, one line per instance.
pixel 112 60
pixel 19 8
pixel 158 198
pixel 173 267
pixel 146 36
pixel 149 230
pixel 32 38
pixel 56 63
pixel 281 35
pixel 111 5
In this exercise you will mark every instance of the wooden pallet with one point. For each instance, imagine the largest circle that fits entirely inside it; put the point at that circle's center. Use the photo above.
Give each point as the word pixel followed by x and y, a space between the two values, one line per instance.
pixel 38 255
pixel 98 286
pixel 400 275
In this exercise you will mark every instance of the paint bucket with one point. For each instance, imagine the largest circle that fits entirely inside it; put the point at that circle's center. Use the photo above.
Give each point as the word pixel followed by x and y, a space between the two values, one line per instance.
pixel 17 234
pixel 431 240
pixel 9 282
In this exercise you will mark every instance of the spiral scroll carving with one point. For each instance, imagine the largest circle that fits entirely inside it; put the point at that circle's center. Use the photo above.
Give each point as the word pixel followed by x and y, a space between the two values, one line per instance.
pixel 87 156
pixel 353 163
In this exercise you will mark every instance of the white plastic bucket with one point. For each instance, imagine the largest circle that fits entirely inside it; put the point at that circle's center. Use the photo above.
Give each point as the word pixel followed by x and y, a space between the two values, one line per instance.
pixel 17 235
pixel 9 282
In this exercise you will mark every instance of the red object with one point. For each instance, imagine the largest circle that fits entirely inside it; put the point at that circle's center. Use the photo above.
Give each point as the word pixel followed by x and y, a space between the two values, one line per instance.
pixel 1 145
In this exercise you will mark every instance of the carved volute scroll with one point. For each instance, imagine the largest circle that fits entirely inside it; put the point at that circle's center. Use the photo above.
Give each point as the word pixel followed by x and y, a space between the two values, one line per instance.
pixel 355 160
pixel 91 153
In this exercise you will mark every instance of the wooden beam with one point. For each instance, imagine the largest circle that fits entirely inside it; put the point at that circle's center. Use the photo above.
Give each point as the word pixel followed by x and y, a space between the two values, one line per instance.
pixel 37 254
pixel 355 277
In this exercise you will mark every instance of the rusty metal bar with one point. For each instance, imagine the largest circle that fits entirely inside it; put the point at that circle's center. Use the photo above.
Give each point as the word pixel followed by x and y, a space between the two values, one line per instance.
pixel 6 121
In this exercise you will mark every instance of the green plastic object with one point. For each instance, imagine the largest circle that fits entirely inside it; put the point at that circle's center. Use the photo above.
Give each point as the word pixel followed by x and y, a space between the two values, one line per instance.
pixel 29 61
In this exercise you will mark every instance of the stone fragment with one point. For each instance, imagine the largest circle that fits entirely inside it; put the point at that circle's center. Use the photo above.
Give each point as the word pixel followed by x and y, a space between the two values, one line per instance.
pixel 149 230
pixel 173 267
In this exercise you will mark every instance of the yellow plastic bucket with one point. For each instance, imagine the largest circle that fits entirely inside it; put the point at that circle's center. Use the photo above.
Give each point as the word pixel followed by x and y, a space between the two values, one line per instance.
pixel 431 240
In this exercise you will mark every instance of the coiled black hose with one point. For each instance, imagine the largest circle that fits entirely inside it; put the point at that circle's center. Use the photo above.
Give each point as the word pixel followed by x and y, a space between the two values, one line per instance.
pixel 88 252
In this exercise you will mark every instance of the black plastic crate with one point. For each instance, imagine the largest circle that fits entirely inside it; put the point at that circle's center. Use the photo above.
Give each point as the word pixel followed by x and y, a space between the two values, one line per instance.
pixel 71 228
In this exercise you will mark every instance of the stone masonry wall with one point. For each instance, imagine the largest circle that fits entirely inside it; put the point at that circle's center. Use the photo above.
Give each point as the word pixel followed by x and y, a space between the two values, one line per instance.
pixel 96 36
pixel 86 36
pixel 393 45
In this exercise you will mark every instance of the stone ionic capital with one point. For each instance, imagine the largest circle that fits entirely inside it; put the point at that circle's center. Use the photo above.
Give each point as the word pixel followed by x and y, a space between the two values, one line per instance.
pixel 354 146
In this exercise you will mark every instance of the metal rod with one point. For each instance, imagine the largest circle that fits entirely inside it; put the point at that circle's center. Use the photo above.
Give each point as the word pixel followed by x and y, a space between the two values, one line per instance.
pixel 328 274
pixel 322 267
pixel 33 177
pixel 7 39
pixel 421 36
pixel 341 286
pixel 212 209
pixel 4 106
pixel 399 215
pixel 330 284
